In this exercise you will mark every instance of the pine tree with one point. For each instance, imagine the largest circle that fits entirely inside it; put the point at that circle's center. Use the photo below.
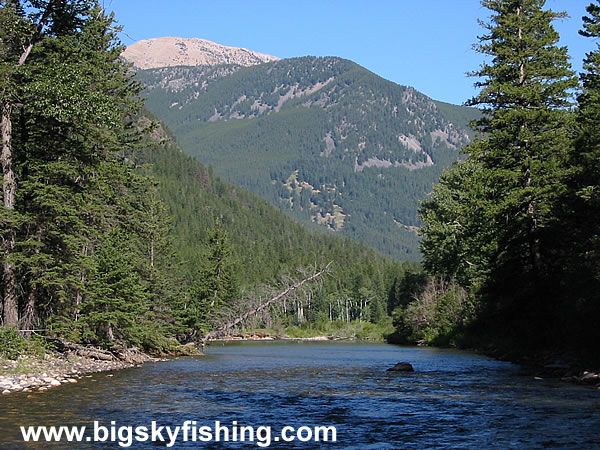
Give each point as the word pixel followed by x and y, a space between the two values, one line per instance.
pixel 580 251
pixel 76 96
pixel 586 157
pixel 17 38
pixel 151 231
pixel 459 234
pixel 117 305
pixel 72 135
pixel 492 220
pixel 525 95
pixel 216 286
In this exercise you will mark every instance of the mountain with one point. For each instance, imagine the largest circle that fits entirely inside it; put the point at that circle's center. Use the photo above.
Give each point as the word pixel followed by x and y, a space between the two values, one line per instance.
pixel 267 245
pixel 174 51
pixel 319 137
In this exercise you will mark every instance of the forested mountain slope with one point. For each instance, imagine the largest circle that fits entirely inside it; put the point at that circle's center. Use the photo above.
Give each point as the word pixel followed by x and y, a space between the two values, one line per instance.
pixel 265 243
pixel 322 138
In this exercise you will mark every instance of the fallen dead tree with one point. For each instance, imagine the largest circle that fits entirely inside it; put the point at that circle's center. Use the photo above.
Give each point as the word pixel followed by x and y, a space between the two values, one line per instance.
pixel 242 312
pixel 82 350
pixel 132 356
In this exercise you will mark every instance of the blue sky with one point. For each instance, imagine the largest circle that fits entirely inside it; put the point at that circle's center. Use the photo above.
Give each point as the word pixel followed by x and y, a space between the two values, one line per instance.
pixel 421 43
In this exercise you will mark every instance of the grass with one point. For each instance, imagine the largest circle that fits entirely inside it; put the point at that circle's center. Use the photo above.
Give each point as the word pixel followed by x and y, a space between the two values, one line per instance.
pixel 337 330
pixel 22 366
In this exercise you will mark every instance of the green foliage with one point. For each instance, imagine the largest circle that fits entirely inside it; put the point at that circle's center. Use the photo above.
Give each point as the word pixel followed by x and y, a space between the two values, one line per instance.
pixel 439 315
pixel 303 134
pixel 216 286
pixel 459 238
pixel 364 331
pixel 117 306
pixel 515 223
pixel 406 288
pixel 579 212
pixel 526 94
pixel 11 343
pixel 74 189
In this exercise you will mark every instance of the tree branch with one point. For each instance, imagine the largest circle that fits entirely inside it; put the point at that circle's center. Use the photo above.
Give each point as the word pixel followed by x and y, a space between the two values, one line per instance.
pixel 222 330
pixel 38 32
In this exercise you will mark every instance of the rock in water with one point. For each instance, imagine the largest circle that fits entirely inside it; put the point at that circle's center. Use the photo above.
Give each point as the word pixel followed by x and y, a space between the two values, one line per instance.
pixel 402 367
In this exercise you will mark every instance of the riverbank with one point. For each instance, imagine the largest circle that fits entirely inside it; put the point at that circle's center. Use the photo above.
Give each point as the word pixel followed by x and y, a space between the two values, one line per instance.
pixel 267 336
pixel 321 331
pixel 567 364
pixel 40 373
pixel 564 366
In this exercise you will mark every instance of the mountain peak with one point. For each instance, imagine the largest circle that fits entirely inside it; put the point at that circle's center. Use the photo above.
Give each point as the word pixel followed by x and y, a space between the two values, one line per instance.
pixel 175 51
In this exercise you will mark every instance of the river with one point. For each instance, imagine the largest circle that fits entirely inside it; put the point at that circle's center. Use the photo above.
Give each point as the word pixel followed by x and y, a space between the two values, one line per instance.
pixel 453 399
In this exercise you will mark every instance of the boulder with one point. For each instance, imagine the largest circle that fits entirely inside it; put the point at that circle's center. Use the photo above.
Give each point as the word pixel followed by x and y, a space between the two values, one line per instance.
pixel 402 367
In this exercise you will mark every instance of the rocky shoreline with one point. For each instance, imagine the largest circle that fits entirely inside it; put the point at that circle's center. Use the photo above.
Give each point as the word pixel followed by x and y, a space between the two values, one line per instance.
pixel 571 374
pixel 263 336
pixel 566 366
pixel 30 373
pixel 38 374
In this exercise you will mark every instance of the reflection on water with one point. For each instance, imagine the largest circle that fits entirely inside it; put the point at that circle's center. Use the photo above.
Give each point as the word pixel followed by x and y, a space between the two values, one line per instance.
pixel 453 399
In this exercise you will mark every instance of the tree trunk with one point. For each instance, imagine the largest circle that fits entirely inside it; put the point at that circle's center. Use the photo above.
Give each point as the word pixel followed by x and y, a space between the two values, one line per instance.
pixel 78 291
pixel 29 319
pixel 109 332
pixel 522 63
pixel 347 310
pixel 10 311
pixel 9 184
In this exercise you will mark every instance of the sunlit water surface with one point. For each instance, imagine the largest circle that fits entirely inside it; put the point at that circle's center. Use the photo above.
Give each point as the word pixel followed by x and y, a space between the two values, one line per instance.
pixel 453 399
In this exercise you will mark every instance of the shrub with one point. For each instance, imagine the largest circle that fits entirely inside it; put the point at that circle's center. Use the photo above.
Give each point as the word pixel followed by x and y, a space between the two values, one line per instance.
pixel 11 343
pixel 437 316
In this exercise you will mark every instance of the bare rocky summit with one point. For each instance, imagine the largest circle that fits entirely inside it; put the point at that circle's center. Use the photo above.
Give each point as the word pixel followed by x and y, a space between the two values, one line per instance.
pixel 174 51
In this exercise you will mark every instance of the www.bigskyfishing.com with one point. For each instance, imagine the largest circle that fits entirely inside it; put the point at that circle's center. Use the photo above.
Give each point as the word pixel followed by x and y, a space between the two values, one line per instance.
pixel 189 431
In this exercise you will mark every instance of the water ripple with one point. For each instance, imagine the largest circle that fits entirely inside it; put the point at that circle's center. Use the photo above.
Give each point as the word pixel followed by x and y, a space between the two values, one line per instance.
pixel 453 399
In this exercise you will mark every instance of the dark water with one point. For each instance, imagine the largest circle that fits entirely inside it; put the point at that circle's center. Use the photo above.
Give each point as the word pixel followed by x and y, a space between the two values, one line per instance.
pixel 453 399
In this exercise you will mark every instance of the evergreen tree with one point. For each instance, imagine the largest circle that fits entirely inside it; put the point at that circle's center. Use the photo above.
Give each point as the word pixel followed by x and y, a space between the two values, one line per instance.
pixel 525 93
pixel 117 305
pixel 70 138
pixel 18 35
pixel 580 212
pixel 459 235
pixel 65 152
pixel 156 259
pixel 586 157
pixel 494 217
pixel 216 285
pixel 406 287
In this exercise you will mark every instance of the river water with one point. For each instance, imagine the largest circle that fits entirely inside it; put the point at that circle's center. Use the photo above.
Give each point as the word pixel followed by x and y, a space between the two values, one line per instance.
pixel 453 399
